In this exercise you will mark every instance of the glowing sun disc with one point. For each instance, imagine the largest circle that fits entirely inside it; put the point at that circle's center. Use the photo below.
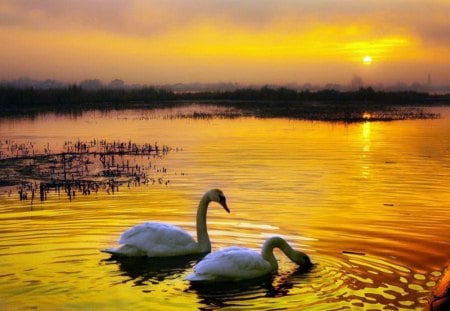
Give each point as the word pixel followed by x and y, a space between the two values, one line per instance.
pixel 367 60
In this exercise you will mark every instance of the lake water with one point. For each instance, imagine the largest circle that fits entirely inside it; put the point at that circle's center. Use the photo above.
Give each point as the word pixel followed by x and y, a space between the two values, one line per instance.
pixel 369 202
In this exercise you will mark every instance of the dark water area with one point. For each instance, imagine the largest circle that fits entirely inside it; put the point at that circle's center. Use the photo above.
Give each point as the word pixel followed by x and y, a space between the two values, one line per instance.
pixel 352 111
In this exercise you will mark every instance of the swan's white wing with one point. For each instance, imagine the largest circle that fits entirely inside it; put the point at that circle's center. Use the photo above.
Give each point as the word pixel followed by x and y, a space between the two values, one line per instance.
pixel 158 240
pixel 230 264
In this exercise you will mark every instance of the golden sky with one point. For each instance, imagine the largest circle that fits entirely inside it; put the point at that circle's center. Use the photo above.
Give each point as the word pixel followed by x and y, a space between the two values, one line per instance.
pixel 246 41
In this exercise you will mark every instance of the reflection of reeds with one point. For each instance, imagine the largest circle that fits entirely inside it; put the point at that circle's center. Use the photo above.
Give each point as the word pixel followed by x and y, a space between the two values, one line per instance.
pixel 79 168
pixel 316 111
pixel 335 112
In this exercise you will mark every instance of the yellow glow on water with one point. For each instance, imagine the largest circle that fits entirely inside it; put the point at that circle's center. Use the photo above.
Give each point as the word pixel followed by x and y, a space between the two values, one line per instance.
pixel 366 127
pixel 327 188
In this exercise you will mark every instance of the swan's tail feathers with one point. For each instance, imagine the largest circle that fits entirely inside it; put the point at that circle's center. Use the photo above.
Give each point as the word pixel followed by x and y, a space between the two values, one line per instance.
pixel 194 277
pixel 112 251
pixel 125 251
pixel 199 278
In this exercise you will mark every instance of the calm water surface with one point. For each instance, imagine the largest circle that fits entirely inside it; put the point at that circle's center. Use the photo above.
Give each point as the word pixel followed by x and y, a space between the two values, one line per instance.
pixel 369 202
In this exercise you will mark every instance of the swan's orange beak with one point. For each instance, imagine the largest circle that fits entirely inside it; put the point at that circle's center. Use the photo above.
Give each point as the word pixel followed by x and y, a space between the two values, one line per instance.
pixel 223 202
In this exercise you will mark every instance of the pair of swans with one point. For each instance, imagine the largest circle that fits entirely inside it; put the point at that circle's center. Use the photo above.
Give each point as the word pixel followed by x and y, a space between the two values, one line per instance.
pixel 229 264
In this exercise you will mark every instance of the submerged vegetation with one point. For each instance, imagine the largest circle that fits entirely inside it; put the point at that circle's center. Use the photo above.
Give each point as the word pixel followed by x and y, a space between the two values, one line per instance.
pixel 265 102
pixel 79 168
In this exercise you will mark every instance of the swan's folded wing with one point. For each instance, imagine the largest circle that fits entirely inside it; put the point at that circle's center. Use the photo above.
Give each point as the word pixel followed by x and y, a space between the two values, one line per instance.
pixel 158 239
pixel 230 264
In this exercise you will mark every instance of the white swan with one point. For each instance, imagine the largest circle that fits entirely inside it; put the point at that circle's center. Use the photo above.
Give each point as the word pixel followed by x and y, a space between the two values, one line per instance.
pixel 163 240
pixel 236 263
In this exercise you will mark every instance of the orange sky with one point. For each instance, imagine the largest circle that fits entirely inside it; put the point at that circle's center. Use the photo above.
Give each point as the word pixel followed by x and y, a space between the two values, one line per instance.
pixel 251 41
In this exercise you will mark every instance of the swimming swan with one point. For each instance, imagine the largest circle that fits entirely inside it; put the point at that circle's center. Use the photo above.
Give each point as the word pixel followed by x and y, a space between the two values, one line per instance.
pixel 153 239
pixel 236 263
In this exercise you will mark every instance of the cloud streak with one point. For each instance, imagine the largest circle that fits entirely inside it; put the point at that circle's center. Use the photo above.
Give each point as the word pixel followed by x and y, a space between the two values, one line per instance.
pixel 426 19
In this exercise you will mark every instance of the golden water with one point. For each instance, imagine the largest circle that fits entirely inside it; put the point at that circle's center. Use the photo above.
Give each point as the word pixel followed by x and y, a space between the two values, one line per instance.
pixel 369 202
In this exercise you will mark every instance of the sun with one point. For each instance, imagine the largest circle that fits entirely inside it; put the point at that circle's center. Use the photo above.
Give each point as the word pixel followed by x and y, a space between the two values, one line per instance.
pixel 367 60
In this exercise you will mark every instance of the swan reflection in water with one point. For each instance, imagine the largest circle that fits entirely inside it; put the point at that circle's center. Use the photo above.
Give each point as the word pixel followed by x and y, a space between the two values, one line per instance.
pixel 142 270
pixel 226 294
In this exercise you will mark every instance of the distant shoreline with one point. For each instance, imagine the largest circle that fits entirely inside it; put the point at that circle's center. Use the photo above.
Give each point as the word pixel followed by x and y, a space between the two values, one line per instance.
pixel 328 105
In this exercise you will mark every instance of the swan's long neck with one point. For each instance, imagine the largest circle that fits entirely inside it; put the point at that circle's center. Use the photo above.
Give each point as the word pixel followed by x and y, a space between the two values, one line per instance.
pixel 277 242
pixel 202 231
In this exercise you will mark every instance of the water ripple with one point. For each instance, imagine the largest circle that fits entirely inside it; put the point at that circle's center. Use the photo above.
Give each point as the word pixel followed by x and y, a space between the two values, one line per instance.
pixel 368 202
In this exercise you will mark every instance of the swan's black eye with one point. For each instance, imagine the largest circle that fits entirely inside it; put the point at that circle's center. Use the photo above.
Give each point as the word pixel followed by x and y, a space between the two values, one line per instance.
pixel 221 198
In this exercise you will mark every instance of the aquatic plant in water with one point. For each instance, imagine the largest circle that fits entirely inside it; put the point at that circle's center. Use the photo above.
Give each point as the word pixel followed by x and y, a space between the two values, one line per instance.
pixel 79 167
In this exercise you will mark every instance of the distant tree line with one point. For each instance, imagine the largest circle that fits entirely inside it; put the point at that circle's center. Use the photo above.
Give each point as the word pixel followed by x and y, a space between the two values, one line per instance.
pixel 25 100
pixel 284 94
